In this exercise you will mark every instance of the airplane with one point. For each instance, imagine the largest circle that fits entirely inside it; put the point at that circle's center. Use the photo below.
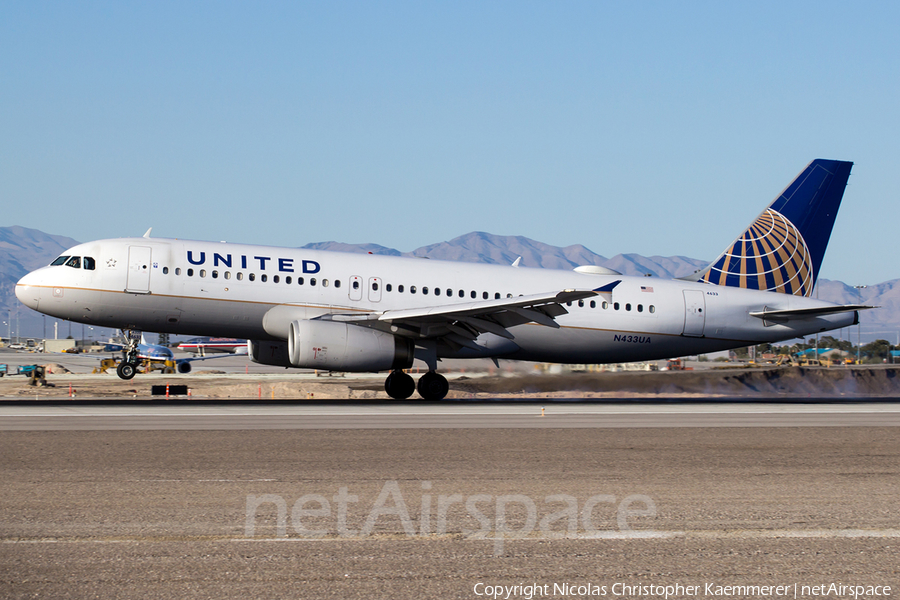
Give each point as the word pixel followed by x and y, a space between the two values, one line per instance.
pixel 204 345
pixel 159 353
pixel 369 313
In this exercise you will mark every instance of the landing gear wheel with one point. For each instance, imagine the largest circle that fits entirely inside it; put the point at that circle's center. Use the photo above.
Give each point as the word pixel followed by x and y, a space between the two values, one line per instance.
pixel 125 370
pixel 399 385
pixel 433 386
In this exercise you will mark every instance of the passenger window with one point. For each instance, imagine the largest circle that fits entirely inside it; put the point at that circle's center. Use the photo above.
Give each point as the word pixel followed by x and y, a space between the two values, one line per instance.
pixel 178 270
pixel 287 279
pixel 325 283
pixel 449 292
pixel 615 306
pixel 640 308
pixel 568 304
pixel 276 279
pixel 59 261
pixel 215 274
pixel 462 294
pixel 190 272
pixel 387 286
pixel 264 278
pixel 165 269
pixel 355 285
pixel 581 304
pixel 89 264
pixel 412 289
pixel 74 262
pixel 227 274
pixel 628 306
pixel 374 286
pixel 337 283
pixel 484 295
pixel 605 305
pixel 400 288
pixel 202 272
pixel 240 276
pixel 497 296
pixel 300 281
pixel 312 281
pixel 652 309
pixel 425 290
pixel 252 276
pixel 473 294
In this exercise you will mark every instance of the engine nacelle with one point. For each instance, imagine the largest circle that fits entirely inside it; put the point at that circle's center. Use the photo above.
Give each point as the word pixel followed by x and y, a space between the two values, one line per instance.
pixel 335 346
pixel 184 367
pixel 269 353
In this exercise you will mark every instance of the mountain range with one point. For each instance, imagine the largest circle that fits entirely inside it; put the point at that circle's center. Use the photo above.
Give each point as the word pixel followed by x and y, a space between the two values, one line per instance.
pixel 23 249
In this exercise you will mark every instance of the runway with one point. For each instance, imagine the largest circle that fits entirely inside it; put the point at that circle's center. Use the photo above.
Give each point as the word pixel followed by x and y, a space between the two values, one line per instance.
pixel 432 512
pixel 125 415
pixel 412 500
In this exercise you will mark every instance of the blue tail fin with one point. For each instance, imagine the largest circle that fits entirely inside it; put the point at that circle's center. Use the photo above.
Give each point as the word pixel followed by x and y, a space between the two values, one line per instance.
pixel 783 249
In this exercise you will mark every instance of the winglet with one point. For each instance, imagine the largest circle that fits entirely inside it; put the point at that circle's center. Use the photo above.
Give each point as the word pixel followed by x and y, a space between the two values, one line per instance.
pixel 517 262
pixel 608 288
pixel 147 235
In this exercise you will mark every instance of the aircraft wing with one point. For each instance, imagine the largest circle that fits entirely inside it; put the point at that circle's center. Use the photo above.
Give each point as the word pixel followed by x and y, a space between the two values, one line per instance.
pixel 461 323
pixel 780 316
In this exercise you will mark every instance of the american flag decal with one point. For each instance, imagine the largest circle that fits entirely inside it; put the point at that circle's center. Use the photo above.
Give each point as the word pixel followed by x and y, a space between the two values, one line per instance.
pixel 645 288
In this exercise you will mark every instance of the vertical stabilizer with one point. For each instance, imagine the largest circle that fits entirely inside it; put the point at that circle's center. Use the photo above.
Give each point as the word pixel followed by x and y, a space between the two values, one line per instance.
pixel 783 249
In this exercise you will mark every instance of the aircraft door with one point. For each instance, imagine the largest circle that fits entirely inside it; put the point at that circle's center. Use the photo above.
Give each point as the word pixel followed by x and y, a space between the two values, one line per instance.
pixel 138 281
pixel 356 288
pixel 694 313
pixel 374 289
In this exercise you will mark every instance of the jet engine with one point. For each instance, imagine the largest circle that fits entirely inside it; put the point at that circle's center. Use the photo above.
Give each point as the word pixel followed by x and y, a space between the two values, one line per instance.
pixel 184 367
pixel 335 346
pixel 269 353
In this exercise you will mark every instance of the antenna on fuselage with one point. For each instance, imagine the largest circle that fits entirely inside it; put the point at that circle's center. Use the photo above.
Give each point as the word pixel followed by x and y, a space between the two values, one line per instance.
pixel 147 235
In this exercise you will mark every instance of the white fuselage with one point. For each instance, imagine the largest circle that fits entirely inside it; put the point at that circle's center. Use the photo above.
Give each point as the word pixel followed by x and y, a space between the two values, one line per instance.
pixel 230 290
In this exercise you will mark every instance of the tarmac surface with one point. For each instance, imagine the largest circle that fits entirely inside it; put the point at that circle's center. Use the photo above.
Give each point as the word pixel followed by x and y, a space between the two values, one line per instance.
pixel 374 500
pixel 746 478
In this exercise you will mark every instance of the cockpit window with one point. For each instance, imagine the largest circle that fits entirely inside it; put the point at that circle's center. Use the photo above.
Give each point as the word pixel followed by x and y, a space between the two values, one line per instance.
pixel 88 263
pixel 59 261
pixel 74 262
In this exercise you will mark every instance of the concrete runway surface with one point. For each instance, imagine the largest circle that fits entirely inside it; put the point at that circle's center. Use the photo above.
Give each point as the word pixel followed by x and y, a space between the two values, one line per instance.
pixel 252 501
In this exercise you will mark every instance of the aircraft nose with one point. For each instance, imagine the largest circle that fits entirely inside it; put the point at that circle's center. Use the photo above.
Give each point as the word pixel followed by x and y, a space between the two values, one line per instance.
pixel 28 290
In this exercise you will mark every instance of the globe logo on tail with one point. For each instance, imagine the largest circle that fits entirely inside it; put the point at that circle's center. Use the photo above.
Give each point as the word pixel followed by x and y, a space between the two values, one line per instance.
pixel 771 255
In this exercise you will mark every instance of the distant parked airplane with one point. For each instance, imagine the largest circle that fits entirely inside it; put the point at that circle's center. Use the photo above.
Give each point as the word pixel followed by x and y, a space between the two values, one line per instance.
pixel 155 353
pixel 211 345
pixel 362 312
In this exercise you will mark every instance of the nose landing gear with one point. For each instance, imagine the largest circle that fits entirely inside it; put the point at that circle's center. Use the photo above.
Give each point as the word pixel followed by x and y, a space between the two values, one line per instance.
pixel 125 370
pixel 432 386
pixel 128 367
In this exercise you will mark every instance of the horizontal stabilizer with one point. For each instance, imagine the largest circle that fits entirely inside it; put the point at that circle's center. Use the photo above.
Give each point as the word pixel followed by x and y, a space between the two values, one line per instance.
pixel 780 316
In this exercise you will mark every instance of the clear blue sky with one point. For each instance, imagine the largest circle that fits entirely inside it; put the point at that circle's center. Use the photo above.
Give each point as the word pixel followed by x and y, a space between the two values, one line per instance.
pixel 655 128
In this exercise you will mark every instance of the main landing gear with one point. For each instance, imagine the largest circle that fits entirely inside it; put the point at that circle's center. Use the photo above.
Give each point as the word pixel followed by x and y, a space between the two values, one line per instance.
pixel 128 367
pixel 432 386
